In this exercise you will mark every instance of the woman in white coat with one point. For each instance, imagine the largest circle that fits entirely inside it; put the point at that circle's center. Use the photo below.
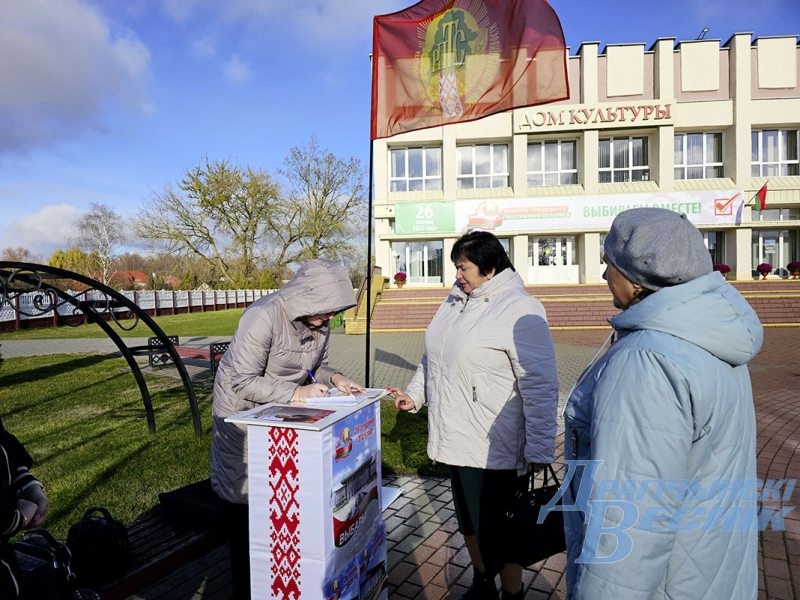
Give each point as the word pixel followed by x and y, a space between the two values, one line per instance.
pixel 488 377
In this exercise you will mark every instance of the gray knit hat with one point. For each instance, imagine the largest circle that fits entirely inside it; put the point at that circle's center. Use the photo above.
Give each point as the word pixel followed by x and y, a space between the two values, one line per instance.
pixel 656 248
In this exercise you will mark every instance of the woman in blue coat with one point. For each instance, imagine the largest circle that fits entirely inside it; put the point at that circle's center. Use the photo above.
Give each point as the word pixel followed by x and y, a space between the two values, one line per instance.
pixel 662 426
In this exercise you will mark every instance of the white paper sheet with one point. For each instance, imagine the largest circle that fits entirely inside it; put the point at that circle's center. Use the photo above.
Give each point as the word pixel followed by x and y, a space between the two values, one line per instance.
pixel 337 398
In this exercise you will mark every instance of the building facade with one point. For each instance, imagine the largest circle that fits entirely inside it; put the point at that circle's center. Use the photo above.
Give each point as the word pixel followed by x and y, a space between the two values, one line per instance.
pixel 698 127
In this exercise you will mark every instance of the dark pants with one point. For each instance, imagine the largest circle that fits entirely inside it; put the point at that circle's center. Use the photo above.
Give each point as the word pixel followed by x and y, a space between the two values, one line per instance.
pixel 239 551
pixel 481 498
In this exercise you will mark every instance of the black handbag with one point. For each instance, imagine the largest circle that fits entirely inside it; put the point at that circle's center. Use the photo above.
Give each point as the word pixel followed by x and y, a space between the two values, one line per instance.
pixel 100 547
pixel 45 569
pixel 529 541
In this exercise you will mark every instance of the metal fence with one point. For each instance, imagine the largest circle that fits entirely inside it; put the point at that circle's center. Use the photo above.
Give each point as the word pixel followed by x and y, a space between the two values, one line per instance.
pixel 27 307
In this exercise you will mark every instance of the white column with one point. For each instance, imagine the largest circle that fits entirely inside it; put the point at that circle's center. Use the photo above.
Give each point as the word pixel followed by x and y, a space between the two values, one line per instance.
pixel 519 251
pixel 448 270
pixel 589 257
pixel 740 74
pixel 742 252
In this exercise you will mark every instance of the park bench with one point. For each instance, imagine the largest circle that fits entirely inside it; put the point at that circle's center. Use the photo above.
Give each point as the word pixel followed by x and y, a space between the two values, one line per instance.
pixel 172 534
pixel 158 356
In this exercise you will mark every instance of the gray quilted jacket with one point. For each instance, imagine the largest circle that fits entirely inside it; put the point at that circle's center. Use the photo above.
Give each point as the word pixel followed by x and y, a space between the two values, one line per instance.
pixel 267 360
pixel 669 412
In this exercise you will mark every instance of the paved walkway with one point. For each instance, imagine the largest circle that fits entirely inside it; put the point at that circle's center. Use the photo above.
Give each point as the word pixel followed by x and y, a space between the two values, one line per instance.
pixel 427 557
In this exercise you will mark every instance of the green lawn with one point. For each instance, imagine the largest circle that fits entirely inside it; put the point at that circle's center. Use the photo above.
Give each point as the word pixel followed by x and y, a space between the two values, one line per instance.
pixel 82 419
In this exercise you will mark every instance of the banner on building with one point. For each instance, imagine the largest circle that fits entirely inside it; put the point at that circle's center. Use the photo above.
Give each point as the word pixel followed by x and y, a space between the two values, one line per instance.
pixel 447 61
pixel 586 212
pixel 560 212
pixel 424 217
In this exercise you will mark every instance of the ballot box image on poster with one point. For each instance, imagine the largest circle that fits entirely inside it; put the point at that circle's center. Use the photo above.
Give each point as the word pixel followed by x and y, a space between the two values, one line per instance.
pixel 358 533
pixel 365 577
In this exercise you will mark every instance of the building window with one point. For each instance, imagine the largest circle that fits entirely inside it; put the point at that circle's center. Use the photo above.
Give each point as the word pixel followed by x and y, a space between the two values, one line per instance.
pixel 775 152
pixel 482 166
pixel 777 214
pixel 551 163
pixel 415 169
pixel 623 159
pixel 698 155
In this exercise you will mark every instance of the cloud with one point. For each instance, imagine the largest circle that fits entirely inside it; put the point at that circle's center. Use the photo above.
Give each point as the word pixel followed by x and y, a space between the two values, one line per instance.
pixel 44 231
pixel 203 48
pixel 62 68
pixel 236 70
pixel 321 23
pixel 181 10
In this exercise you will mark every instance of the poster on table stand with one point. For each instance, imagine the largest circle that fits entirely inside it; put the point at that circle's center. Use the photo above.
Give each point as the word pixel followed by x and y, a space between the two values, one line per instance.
pixel 316 527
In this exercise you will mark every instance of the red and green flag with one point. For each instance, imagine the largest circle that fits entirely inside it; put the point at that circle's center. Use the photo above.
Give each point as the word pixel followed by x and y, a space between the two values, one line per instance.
pixel 762 198
pixel 446 61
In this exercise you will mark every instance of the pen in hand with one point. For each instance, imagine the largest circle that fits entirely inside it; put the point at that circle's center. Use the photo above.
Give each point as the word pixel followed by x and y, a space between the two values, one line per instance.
pixel 312 390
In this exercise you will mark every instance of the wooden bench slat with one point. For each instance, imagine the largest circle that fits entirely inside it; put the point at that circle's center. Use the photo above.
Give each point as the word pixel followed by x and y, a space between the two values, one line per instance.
pixel 192 352
pixel 159 545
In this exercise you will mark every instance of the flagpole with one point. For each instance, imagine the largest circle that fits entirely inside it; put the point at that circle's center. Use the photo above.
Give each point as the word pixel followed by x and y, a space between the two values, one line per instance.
pixel 758 191
pixel 367 357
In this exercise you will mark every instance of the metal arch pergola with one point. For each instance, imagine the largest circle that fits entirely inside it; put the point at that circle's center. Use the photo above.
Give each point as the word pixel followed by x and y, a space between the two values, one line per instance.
pixel 17 278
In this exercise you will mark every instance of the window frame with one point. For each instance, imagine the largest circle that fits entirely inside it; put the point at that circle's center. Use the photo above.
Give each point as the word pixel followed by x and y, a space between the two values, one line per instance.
pixel 629 169
pixel 759 167
pixel 428 182
pixel 560 172
pixel 708 167
pixel 473 176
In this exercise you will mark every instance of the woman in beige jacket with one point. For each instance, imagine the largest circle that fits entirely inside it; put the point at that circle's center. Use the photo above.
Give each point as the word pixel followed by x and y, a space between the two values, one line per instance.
pixel 488 376
pixel 280 338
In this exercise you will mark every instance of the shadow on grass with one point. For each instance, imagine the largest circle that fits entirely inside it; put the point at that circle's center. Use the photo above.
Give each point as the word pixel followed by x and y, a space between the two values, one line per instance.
pixel 59 367
pixel 410 434
pixel 82 420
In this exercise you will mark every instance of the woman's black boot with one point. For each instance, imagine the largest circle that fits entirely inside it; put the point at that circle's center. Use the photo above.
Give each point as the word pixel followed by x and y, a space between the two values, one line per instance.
pixel 506 595
pixel 482 587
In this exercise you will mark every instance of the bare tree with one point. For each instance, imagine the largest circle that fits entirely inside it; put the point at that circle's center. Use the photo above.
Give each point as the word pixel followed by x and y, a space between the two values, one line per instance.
pixel 325 211
pixel 218 215
pixel 247 229
pixel 178 222
pixel 19 254
pixel 100 233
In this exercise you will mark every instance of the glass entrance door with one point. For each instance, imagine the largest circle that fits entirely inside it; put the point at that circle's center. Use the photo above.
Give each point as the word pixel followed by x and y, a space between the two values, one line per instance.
pixel 420 261
pixel 715 242
pixel 552 260
pixel 771 246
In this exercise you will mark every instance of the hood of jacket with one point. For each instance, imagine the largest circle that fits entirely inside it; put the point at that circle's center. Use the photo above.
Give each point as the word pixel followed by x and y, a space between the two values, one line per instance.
pixel 319 286
pixel 707 311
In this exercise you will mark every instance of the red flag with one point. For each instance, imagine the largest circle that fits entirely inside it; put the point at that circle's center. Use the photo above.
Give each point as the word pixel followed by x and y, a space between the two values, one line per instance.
pixel 447 61
pixel 762 198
